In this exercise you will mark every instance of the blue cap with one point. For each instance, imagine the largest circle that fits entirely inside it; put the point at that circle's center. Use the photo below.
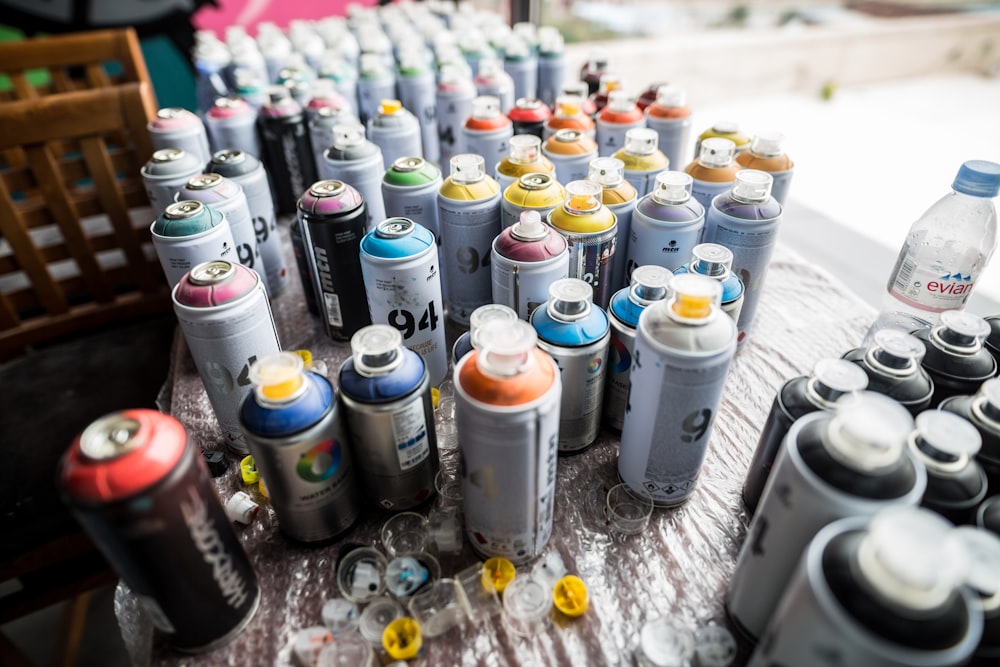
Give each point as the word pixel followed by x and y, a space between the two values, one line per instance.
pixel 979 178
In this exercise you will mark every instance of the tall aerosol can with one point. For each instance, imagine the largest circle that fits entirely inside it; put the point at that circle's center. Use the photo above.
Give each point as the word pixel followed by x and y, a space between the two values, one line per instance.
pixel 521 64
pixel 418 93
pixel 766 154
pixel 529 116
pixel 947 443
pixel 395 130
pixel 619 197
pixel 885 591
pixel 551 64
pixel 666 226
pixel 173 127
pixel 643 160
pixel 683 347
pixel 410 189
pixel 590 229
pixel 892 363
pixel 167 171
pixel 376 82
pixel 746 220
pixel 983 548
pixel 488 131
pixel 507 396
pixel 469 215
pixel 983 410
pixel 853 461
pixel 527 258
pixel 232 124
pixel 649 284
pixel 568 115
pixel 524 157
pixel 670 117
pixel 532 192
pixel 954 355
pixel 716 262
pixel 713 171
pixel 571 152
pixel 188 233
pixel 286 148
pixel 493 81
pixel 594 68
pixel 615 120
pixel 610 82
pixel 455 92
pixel 357 162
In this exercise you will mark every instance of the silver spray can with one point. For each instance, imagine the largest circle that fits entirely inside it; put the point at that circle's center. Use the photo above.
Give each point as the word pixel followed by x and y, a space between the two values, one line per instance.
pixel 410 189
pixel 509 446
pixel 716 262
pixel 322 122
pixel 488 131
pixel 575 333
pixel 376 82
pixel 418 93
pixel 166 173
pixel 248 172
pixel 852 462
pixel 399 262
pixel 493 81
pixel 571 152
pixel 649 284
pixel 885 591
pixel 358 162
pixel 747 221
pixel 232 125
pixel 455 92
pixel 667 224
pixel 670 117
pixel 551 64
pixel 223 311
pixel 682 351
pixel 227 197
pixel 174 127
pixel 386 397
pixel 469 215
pixel 188 233
pixel 520 62
pixel 526 259
pixel 395 131
pixel 619 197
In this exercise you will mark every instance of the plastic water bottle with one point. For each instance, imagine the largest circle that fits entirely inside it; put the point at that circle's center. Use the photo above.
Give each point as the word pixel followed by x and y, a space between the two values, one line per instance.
pixel 944 253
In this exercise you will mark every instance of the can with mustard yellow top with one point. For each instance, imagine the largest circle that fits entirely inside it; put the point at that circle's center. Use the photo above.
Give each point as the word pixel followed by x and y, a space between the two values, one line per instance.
pixel 726 129
pixel 571 152
pixel 525 157
pixel 642 159
pixel 766 154
pixel 714 171
pixel 531 192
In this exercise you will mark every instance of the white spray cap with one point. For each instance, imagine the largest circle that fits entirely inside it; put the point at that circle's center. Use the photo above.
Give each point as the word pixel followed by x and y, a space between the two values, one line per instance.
pixel 524 148
pixel 529 227
pixel 986 404
pixel 516 47
pixel 717 152
pixel 641 141
pixel 712 260
pixel 868 431
pixel 597 58
pixel 960 331
pixel 348 134
pixel 619 100
pixel 649 283
pixel 376 349
pixel 453 72
pixel 752 185
pixel 570 299
pixel 983 551
pixel 490 67
pixel 506 348
pixel 582 196
pixel 945 439
pixel 894 351
pixel 484 314
pixel 550 40
pixel 694 297
pixel 669 95
pixel 371 63
pixel 832 378
pixel 767 143
pixel 468 168
pixel 609 172
pixel 278 378
pixel 486 106
pixel 672 187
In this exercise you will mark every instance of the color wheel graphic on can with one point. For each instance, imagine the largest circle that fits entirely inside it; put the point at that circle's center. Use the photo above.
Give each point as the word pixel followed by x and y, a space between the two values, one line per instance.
pixel 320 462
pixel 619 357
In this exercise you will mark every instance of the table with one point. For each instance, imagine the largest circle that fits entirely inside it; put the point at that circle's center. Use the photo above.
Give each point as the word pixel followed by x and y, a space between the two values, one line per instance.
pixel 678 568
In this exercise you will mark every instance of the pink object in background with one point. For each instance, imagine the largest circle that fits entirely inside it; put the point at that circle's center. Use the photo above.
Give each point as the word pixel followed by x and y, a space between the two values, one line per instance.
pixel 249 13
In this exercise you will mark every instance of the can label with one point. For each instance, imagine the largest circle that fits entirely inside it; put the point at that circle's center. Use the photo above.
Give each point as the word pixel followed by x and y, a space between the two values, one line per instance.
pixel 662 244
pixel 619 369
pixel 466 238
pixel 590 260
pixel 409 429
pixel 583 377
pixel 705 191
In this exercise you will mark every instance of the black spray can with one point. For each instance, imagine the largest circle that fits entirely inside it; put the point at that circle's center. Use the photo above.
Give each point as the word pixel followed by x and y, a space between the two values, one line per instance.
pixel 983 578
pixel 892 364
pixel 955 357
pixel 983 410
pixel 287 150
pixel 947 445
pixel 302 264
pixel 831 379
pixel 988 515
pixel 993 340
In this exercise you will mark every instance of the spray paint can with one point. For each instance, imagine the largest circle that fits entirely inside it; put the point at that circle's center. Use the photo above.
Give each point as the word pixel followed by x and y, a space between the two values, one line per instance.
pixel 610 82
pixel 983 410
pixel 682 351
pixel 892 364
pixel 232 124
pixel 590 230
pixel 532 192
pixel 613 122
pixel 357 162
pixel 188 233
pixel 642 159
pixel 333 222
pixel 493 81
pixel 455 92
pixel 469 215
pixel 723 130
pixel 713 172
pixel 223 311
pixel 649 284
pixel 983 549
pixel 295 431
pixel 525 157
pixel 879 592
pixel 376 82
pixel 716 262
pixel 579 90
pixel 395 131
pixel 529 116
pixel 830 379
pixel 248 172
pixel 166 173
pixel 174 127
pixel 487 131
pixel 947 444
pixel 138 486
pixel 345 79
pixel 527 258
pixel 287 152
pixel 746 220
pixel 507 397
pixel 595 67
pixel 666 226
pixel 417 92
pixel 569 115
pixel 954 355
pixel 399 261
pixel 551 64
pixel 619 197
pixel 227 198
pixel 480 317
pixel 302 264
pixel 322 122
pixel 765 154
pixel 670 117
pixel 409 189
pixel 852 462
pixel 386 397
pixel 521 63
pixel 571 152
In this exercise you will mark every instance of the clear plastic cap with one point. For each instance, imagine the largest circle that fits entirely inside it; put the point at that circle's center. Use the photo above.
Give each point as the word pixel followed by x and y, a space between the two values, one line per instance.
pixel 982 548
pixel 649 283
pixel 576 88
pixel 486 106
pixel 717 152
pixel 278 378
pixel 568 106
pixel 987 402
pixel 832 378
pixel 767 143
pixel 570 299
pixel 868 431
pixel 610 82
pixel 752 185
pixel 895 351
pixel 583 196
pixel 340 615
pixel 979 178
pixel 665 643
pixel 672 187
pixel 468 168
pixel 506 347
pixel 348 134
pixel 527 599
pixel 621 101
pixel 488 313
pixel 714 646
pixel 945 437
pixel 670 95
pixel 529 227
pixel 694 297
pixel 377 616
pixel 597 58
pixel 609 172
pixel 711 259
pixel 908 558
pixel 524 148
pixel 377 349
pixel 641 141
pixel 961 331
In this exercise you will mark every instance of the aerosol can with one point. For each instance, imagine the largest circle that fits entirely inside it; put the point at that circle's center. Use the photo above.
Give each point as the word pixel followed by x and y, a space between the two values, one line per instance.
pixel 946 444
pixel 418 93
pixel 983 410
pixel 954 355
pixel 532 192
pixel 232 124
pixel 892 364
pixel 488 131
pixel 524 157
pixel 642 159
pixel 529 116
pixel 619 197
pixel 667 224
pixel 287 150
pixel 571 152
pixel 493 81
pixel 396 131
pixel 551 64
pixel 713 171
pixel 670 117
pixel 527 258
pixel 410 189
pixel 723 130
pixel 613 122
pixel 357 162
pixel 568 115
pixel 765 153
pixel 455 92
pixel 716 262
pixel 521 64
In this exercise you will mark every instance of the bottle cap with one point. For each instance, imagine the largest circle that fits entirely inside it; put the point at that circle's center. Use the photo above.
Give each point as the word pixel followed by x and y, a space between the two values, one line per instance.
pixel 488 313
pixel 361 576
pixel 524 148
pixel 348 134
pixel 670 95
pixel 527 600
pixel 241 508
pixel 752 185
pixel 248 471
pixel 401 639
pixel 568 105
pixel 529 227
pixel 672 187
pixel 610 82
pixel 832 378
pixel 987 402
pixel 340 615
pixel 570 299
pixel 278 378
pixel 717 152
pixel 694 298
pixel 711 259
pixel 377 349
pixel 498 572
pixel 390 107
pixel 868 431
pixel 468 167
pixel 506 347
pixel 648 284
pixel 583 196
pixel 570 596
pixel 894 351
pixel 377 616
pixel 714 646
pixel 665 643
pixel 621 101
pixel 982 548
pixel 609 172
pixel 767 143
pixel 979 178
pixel 945 439
pixel 486 106
pixel 641 141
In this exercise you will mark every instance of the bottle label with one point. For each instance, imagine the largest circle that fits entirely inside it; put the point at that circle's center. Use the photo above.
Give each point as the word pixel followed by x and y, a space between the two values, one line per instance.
pixel 927 288
pixel 409 429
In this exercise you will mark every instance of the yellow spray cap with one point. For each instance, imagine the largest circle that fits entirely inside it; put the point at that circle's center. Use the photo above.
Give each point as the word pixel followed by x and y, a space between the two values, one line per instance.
pixel 401 639
pixel 248 470
pixel 389 106
pixel 568 105
pixel 583 196
pixel 695 296
pixel 570 596
pixel 497 573
pixel 277 378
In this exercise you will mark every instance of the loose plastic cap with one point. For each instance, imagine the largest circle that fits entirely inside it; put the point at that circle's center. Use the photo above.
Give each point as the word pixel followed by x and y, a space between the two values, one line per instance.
pixel 377 616
pixel 649 283
pixel 524 148
pixel 348 134
pixel 527 599
pixel 608 171
pixel 962 330
pixel 583 196
pixel 241 508
pixel 947 437
pixel 569 299
pixel 752 185
pixel 610 82
pixel 987 403
pixel 711 259
pixel 983 551
pixel 714 646
pixel 695 296
pixel 377 349
pixel 577 89
pixel 672 187
pixel 529 227
pixel 389 107
pixel 907 557
pixel 468 167
pixel 486 106
pixel 248 470
pixel 641 141
pixel 401 639
pixel 505 347
pixel 619 100
pixel 340 615
pixel 979 178
pixel 895 350
pixel 670 95
pixel 767 144
pixel 278 378
pixel 868 431
pixel 488 313
pixel 568 105
pixel 664 643
pixel 832 378
pixel 570 596
pixel 717 152
pixel 497 573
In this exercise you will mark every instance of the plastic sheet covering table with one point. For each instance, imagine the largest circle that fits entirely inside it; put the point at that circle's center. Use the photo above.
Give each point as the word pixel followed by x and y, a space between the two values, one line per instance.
pixel 678 568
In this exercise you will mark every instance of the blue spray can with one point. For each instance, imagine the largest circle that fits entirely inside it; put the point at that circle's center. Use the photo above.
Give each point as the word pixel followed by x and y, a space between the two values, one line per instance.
pixel 716 262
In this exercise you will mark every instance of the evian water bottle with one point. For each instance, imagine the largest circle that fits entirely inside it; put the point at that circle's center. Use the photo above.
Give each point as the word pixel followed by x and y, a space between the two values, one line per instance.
pixel 944 253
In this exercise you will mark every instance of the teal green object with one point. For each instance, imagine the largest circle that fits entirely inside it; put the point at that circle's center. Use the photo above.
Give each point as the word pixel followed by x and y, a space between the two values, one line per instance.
pixel 208 218
pixel 170 72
